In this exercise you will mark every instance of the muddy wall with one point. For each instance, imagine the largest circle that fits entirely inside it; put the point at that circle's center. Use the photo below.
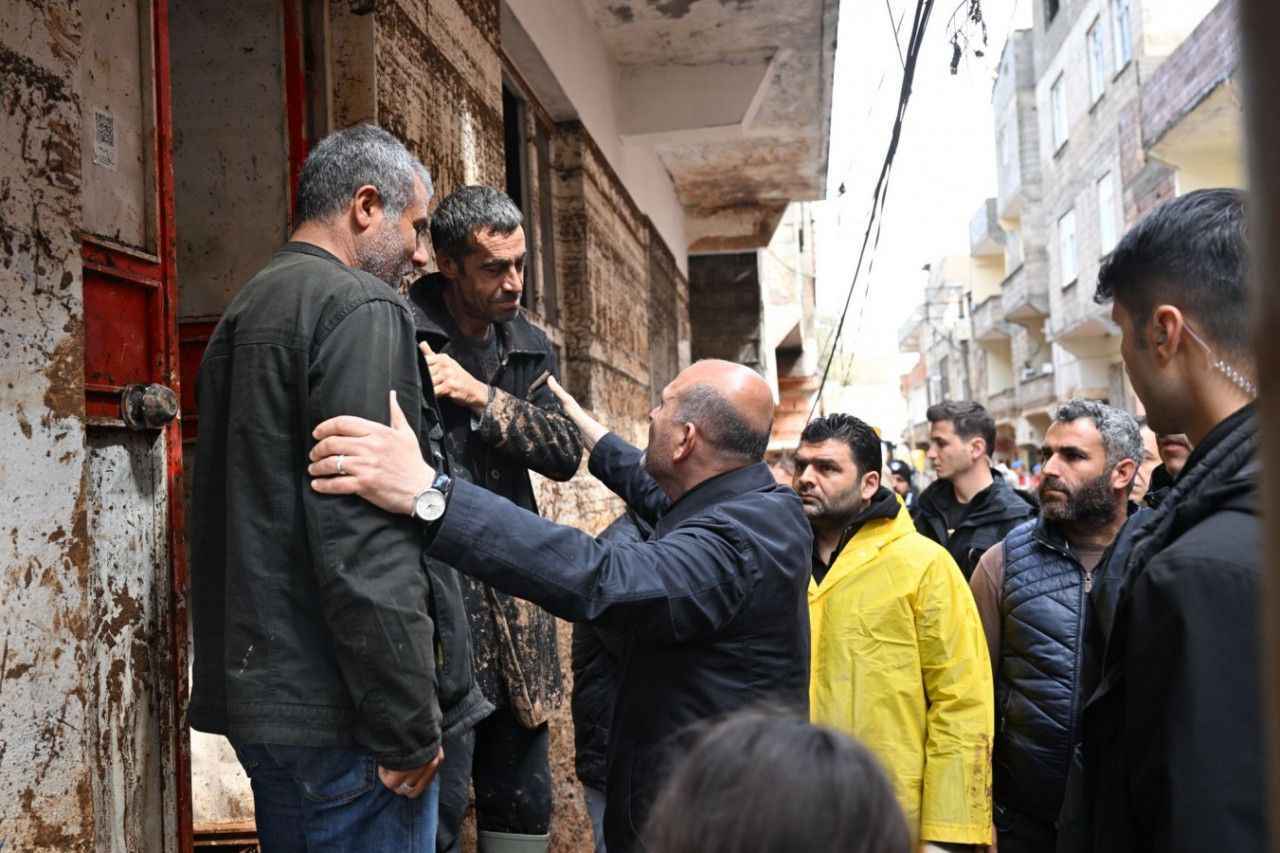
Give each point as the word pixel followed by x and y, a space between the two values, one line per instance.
pixel 46 800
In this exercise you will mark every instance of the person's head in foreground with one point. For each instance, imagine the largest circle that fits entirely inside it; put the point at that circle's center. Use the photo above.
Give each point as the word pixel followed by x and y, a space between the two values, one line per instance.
pixel 838 468
pixel 1091 452
pixel 962 435
pixel 761 782
pixel 1178 281
pixel 362 192
pixel 714 417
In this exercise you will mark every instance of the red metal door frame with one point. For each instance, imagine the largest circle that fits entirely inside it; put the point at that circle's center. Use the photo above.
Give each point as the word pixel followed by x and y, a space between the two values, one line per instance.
pixel 179 577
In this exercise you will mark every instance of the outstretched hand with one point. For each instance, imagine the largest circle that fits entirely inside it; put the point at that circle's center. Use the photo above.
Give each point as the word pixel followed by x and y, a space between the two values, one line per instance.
pixel 592 430
pixel 382 464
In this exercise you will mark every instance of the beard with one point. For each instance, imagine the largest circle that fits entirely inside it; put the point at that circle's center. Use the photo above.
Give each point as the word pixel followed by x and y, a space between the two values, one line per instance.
pixel 1092 501
pixel 837 510
pixel 383 255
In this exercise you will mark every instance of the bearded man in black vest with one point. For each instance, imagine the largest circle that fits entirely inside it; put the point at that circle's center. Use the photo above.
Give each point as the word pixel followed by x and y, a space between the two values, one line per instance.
pixel 1032 593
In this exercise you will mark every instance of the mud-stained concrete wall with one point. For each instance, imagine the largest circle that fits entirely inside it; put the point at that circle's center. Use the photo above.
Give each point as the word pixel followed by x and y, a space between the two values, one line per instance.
pixel 46 799
pixel 602 255
pixel 439 86
pixel 725 308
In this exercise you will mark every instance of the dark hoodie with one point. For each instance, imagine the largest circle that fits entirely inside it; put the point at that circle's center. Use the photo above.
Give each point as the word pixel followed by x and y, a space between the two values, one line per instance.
pixel 1173 735
pixel 991 514
pixel 883 504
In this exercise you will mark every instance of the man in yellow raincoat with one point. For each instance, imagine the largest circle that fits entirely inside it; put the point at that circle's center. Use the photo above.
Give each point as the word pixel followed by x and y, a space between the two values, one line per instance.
pixel 899 657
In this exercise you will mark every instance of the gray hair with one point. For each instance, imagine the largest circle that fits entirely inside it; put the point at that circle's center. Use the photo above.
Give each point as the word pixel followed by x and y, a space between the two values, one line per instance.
pixel 1121 436
pixel 346 160
pixel 722 424
pixel 467 209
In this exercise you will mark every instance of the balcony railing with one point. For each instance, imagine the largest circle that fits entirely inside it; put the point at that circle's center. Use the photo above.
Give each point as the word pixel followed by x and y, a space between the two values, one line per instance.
pixel 986 237
pixel 1003 405
pixel 1024 298
pixel 1036 392
pixel 988 320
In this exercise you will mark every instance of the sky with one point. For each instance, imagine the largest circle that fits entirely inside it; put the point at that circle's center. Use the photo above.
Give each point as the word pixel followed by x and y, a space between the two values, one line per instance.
pixel 944 169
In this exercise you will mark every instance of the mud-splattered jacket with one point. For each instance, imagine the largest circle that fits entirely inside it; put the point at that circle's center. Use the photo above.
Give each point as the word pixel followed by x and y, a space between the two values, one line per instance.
pixel 522 428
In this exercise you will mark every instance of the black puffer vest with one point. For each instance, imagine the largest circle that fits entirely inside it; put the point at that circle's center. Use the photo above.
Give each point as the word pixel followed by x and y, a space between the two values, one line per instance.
pixel 1042 621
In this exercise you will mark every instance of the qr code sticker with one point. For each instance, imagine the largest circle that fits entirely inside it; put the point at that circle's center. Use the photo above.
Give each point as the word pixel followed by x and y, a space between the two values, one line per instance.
pixel 104 139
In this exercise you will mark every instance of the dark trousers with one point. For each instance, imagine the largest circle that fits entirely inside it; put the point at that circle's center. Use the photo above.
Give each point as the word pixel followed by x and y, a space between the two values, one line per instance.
pixel 321 800
pixel 508 764
pixel 1018 832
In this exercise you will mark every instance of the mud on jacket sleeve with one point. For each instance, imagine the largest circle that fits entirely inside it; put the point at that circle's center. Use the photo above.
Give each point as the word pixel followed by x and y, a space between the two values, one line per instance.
pixel 535 432
pixel 374 593
pixel 687 585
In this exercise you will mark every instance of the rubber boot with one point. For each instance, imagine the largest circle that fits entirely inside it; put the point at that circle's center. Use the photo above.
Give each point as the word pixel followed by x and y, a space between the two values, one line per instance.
pixel 510 842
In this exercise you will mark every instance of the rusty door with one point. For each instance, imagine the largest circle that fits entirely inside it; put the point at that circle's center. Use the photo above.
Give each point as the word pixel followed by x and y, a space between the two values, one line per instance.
pixel 134 470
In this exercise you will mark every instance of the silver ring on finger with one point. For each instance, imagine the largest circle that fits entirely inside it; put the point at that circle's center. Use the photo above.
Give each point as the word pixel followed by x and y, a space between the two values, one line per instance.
pixel 405 788
pixel 340 473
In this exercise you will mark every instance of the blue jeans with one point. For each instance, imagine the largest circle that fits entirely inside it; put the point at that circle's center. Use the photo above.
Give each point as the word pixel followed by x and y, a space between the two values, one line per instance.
pixel 329 800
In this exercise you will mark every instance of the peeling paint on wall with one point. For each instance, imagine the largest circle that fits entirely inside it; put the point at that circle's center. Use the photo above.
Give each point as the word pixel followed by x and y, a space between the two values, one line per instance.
pixel 45 799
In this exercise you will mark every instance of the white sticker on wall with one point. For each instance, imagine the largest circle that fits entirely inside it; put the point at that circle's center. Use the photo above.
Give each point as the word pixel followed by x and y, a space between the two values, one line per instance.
pixel 104 139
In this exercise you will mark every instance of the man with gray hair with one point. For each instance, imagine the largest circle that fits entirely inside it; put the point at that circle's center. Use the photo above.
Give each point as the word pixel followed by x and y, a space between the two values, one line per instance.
pixel 325 650
pixel 1032 595
pixel 490 369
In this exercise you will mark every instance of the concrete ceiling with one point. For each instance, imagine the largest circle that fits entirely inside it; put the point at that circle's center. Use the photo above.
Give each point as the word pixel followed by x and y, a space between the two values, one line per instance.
pixel 735 98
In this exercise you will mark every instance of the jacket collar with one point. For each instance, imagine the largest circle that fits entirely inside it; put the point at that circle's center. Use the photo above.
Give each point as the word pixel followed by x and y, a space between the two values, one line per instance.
pixel 866 544
pixel 433 320
pixel 719 488
pixel 997 502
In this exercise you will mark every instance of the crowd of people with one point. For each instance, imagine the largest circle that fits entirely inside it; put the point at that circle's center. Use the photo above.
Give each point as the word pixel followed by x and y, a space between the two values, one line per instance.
pixel 834 662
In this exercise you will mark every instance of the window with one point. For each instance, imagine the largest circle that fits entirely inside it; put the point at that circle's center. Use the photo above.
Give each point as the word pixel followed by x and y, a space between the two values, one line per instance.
pixel 1008 142
pixel 1050 11
pixel 1067 247
pixel 526 144
pixel 1106 213
pixel 1058 112
pixel 1097 61
pixel 1120 14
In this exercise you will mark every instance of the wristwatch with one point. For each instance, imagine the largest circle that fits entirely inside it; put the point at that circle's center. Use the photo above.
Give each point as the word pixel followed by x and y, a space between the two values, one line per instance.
pixel 430 503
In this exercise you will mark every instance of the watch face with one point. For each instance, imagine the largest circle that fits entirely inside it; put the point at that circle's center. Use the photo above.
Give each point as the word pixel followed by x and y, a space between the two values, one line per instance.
pixel 430 505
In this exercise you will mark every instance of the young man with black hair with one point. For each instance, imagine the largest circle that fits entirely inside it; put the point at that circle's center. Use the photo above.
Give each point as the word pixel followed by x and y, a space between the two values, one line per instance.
pixel 899 659
pixel 969 507
pixel 490 367
pixel 1032 592
pixel 1174 745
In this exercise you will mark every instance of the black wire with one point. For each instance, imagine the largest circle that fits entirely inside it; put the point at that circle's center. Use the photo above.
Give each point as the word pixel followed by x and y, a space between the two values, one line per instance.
pixel 920 20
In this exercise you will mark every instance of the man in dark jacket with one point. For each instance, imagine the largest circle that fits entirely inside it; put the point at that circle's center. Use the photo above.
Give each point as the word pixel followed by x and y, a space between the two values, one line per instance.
pixel 489 368
pixel 1173 736
pixel 1032 592
pixel 318 630
pixel 1174 449
pixel 969 507
pixel 597 663
pixel 711 608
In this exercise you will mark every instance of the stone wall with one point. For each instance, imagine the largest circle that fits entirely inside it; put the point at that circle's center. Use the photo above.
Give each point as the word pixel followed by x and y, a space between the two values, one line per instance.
pixel 46 694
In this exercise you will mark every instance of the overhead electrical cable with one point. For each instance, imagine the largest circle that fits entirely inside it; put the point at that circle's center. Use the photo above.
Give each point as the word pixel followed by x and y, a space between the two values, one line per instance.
pixel 921 18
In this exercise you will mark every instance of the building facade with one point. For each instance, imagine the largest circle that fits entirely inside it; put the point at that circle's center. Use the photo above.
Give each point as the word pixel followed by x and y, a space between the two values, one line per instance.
pixel 1102 109
pixel 151 150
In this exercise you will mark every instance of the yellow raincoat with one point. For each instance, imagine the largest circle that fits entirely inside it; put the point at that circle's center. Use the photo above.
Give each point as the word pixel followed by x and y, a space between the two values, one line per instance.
pixel 900 662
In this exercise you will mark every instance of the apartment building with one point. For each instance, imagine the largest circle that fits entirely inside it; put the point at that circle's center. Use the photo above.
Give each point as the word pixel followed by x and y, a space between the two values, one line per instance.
pixel 1101 110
